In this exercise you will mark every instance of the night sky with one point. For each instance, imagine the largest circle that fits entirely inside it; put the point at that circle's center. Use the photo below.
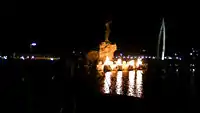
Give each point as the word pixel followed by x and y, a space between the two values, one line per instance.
pixel 7 8
pixel 57 28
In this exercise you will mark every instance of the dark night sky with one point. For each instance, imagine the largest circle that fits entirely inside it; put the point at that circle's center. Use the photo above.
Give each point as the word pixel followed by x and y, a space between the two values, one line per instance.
pixel 132 27
pixel 8 8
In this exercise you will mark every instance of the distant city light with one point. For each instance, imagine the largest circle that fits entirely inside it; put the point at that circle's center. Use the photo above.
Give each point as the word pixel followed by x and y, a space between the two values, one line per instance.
pixel 22 57
pixel 51 59
pixel 32 57
pixel 143 50
pixel 53 77
pixel 190 53
pixel 5 57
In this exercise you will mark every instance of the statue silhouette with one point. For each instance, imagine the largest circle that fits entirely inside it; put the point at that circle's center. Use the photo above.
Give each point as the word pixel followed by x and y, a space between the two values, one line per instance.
pixel 107 32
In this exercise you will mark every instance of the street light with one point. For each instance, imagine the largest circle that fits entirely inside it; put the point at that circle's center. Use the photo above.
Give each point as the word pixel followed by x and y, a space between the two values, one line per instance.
pixel 32 45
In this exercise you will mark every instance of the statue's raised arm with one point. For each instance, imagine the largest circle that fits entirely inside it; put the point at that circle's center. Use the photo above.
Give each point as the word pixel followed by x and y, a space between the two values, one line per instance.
pixel 107 32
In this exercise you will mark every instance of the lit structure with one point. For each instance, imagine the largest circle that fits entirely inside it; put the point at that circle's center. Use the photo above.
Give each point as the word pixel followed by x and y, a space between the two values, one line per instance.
pixel 162 33
pixel 109 65
pixel 106 49
pixel 106 55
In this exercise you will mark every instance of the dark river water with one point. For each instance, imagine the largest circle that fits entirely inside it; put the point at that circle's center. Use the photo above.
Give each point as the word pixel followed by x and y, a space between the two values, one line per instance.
pixel 131 83
pixel 47 87
pixel 172 89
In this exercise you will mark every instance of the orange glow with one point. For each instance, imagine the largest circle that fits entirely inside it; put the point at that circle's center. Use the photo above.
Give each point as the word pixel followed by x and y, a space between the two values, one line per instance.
pixel 119 63
pixel 119 83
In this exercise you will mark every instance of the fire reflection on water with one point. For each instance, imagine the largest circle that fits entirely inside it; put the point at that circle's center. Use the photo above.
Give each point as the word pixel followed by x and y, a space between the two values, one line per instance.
pixel 139 86
pixel 119 83
pixel 107 82
pixel 134 83
pixel 131 86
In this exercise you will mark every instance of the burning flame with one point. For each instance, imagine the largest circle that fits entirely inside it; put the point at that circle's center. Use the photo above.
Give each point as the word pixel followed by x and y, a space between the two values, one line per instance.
pixel 124 65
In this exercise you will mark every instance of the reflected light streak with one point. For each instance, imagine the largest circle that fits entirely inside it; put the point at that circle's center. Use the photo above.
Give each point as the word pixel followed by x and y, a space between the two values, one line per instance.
pixel 131 86
pixel 139 87
pixel 119 83
pixel 107 82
